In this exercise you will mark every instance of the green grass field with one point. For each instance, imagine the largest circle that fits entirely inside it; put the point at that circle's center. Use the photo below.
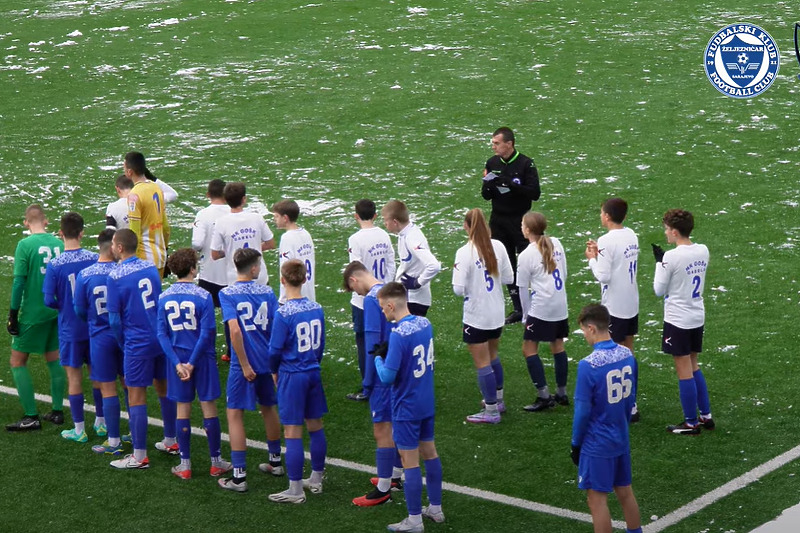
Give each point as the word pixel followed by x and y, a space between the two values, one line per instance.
pixel 333 101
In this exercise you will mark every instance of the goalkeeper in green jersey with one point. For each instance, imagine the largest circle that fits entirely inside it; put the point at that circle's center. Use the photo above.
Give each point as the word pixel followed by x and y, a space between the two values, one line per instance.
pixel 34 327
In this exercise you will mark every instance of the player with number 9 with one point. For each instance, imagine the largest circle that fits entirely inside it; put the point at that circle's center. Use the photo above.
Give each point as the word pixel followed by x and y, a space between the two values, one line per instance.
pixel 605 391
pixel 248 307
pixel 680 278
pixel 295 351
pixel 542 275
pixel 408 368
pixel 296 243
pixel 481 268
pixel 187 332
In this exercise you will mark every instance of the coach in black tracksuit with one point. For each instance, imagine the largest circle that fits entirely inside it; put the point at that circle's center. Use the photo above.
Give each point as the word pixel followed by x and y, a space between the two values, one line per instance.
pixel 511 182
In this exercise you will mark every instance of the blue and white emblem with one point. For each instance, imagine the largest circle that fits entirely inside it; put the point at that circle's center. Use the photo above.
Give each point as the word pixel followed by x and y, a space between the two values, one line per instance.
pixel 742 60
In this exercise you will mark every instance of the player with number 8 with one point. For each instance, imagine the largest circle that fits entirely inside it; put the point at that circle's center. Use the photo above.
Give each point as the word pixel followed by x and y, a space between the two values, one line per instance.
pixel 541 275
pixel 680 278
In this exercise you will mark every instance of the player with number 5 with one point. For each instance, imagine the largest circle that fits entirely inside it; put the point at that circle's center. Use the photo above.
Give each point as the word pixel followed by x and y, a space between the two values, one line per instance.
pixel 680 279
pixel 605 391
pixel 541 276
pixel 481 268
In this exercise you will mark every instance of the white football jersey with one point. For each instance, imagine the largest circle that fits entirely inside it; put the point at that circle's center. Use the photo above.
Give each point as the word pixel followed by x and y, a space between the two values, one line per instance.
pixel 615 269
pixel 297 244
pixel 244 229
pixel 543 294
pixel 202 234
pixel 373 247
pixel 484 303
pixel 170 194
pixel 416 260
pixel 117 214
pixel 680 279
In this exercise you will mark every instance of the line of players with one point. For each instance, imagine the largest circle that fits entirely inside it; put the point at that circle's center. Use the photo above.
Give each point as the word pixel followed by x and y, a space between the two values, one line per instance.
pixel 548 266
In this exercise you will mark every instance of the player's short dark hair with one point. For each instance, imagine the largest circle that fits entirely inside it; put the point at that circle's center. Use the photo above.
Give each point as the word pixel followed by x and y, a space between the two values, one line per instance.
pixel 365 209
pixel 616 209
pixel 245 258
pixel 681 220
pixel 293 272
pixel 127 239
pixel 234 194
pixel 216 188
pixel 104 239
pixel 135 161
pixel 182 261
pixel 35 213
pixel 71 225
pixel 397 210
pixel 393 291
pixel 288 208
pixel 506 132
pixel 596 315
pixel 349 271
pixel 123 183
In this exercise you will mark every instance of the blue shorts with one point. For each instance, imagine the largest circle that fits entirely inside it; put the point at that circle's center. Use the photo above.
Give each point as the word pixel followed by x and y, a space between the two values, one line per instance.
pixel 106 357
pixel 407 434
pixel 74 354
pixel 204 381
pixel 243 394
pixel 141 371
pixel 380 404
pixel 300 397
pixel 602 474
pixel 358 319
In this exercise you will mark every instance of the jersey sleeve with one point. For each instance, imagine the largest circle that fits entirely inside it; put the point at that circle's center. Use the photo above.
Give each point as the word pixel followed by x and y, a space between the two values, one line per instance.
pixel 391 266
pixel 50 287
pixel 21 260
pixel 79 301
pixel 419 248
pixel 207 319
pixel 394 357
pixel 524 281
pixel 353 251
pixel 529 187
pixel 169 194
pixel 266 233
pixel 113 296
pixel 601 266
pixel 460 267
pixel 280 332
pixel 662 276
pixel 228 308
pixel 504 264
pixel 199 233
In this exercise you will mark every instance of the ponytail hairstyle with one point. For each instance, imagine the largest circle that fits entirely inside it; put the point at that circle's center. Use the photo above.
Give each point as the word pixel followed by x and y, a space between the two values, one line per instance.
pixel 481 237
pixel 535 223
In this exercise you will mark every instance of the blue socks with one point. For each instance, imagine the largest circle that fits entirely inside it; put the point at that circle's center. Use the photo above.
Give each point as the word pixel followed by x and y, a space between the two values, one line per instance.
pixel 111 409
pixel 487 384
pixel 637 530
pixel 169 412
pixel 294 459
pixel 497 366
pixel 536 371
pixel 184 437
pixel 239 460
pixel 138 423
pixel 560 362
pixel 318 448
pixel 703 403
pixel 413 490
pixel 688 392
pixel 98 403
pixel 433 480
pixel 76 407
pixel 274 447
pixel 214 434
pixel 384 460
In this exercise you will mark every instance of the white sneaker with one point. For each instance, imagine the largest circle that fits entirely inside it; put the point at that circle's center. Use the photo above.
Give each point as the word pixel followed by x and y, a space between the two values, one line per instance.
pixel 484 417
pixel 129 462
pixel 219 468
pixel 270 468
pixel 171 449
pixel 228 484
pixel 406 526
pixel 437 517
pixel 287 497
pixel 315 488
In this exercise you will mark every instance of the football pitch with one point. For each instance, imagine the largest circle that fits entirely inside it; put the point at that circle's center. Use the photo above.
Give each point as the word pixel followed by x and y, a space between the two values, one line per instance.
pixel 331 101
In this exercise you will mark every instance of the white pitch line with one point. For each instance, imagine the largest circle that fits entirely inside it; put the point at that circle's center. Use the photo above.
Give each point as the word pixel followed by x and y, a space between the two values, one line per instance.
pixel 370 469
pixel 720 492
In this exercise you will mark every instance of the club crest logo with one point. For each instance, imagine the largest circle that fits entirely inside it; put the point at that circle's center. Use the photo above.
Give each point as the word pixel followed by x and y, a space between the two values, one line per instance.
pixel 742 60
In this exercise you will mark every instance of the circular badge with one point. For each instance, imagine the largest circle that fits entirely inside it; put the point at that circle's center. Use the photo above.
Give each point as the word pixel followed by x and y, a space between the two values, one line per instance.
pixel 741 60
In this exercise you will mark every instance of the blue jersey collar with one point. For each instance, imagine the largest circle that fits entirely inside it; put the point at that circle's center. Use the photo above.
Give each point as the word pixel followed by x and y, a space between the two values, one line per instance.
pixel 605 345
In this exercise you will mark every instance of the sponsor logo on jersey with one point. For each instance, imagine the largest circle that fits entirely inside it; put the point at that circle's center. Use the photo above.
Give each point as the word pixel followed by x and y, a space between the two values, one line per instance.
pixel 741 60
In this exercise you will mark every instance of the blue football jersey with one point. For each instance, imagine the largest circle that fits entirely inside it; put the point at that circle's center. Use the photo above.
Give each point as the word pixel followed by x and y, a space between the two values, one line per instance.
pixel 91 296
pixel 134 286
pixel 607 380
pixel 59 285
pixel 253 306
pixel 376 331
pixel 298 336
pixel 411 356
pixel 186 320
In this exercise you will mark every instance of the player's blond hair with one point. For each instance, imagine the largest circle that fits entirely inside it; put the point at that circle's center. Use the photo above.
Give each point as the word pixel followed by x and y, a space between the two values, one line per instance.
pixel 536 223
pixel 481 237
pixel 396 210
